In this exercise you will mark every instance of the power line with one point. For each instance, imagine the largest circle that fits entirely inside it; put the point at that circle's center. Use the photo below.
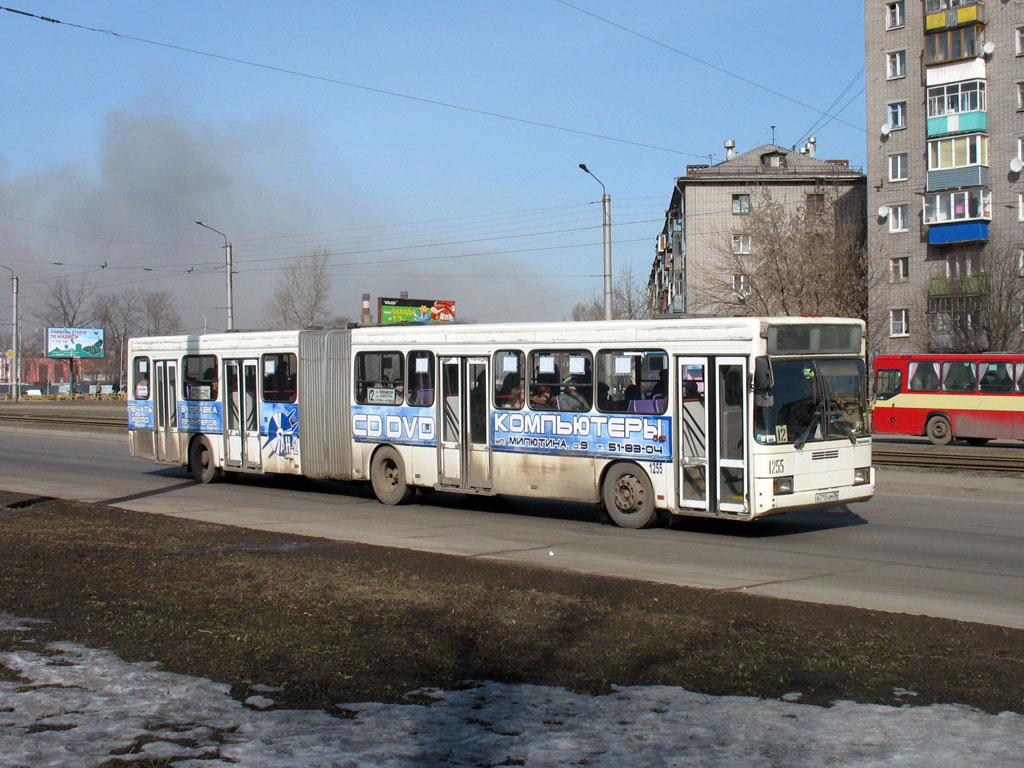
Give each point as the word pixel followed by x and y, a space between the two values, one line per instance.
pixel 347 84
pixel 699 60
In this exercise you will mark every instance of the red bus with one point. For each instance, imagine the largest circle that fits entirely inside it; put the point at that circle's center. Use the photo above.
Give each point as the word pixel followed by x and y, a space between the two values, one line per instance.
pixel 976 398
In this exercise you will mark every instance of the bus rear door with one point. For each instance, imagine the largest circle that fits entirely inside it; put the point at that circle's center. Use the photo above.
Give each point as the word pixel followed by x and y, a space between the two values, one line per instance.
pixel 241 429
pixel 166 444
pixel 464 457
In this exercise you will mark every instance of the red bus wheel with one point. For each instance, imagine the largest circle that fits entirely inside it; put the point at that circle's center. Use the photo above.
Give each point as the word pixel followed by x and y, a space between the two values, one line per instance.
pixel 938 430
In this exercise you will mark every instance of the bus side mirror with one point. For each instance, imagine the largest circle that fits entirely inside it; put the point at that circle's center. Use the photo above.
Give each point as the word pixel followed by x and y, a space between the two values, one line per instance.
pixel 764 380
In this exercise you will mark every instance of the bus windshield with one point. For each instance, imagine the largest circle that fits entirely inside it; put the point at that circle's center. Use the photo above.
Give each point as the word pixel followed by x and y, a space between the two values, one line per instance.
pixel 813 400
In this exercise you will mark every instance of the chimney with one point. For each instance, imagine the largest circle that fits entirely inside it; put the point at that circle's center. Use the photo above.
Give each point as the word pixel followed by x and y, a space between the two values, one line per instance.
pixel 730 149
pixel 810 146
pixel 405 294
pixel 366 309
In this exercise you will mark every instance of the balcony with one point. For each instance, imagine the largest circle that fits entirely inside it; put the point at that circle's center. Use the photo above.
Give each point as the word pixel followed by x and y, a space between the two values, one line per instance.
pixel 955 178
pixel 955 234
pixel 971 285
pixel 964 122
pixel 940 15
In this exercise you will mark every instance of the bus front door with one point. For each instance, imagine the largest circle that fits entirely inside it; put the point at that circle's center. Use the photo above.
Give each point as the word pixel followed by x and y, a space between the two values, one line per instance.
pixel 464 456
pixel 241 428
pixel 712 446
pixel 166 445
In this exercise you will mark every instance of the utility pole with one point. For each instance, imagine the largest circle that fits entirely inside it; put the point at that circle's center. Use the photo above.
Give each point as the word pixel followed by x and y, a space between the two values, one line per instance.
pixel 227 269
pixel 606 226
pixel 16 357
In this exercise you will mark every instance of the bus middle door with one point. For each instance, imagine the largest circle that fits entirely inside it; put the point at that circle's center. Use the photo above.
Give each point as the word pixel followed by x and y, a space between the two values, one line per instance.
pixel 464 456
pixel 241 428
pixel 713 419
pixel 166 445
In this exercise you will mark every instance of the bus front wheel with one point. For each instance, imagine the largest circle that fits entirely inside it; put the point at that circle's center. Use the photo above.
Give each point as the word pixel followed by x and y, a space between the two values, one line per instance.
pixel 387 476
pixel 200 461
pixel 938 430
pixel 628 497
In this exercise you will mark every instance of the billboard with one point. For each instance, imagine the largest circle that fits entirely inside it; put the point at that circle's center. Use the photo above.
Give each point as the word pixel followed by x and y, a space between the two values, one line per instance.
pixel 74 342
pixel 415 311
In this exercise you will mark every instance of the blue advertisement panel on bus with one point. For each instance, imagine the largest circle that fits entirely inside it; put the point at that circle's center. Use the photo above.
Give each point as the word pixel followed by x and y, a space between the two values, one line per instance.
pixel 200 416
pixel 140 414
pixel 279 426
pixel 586 434
pixel 398 424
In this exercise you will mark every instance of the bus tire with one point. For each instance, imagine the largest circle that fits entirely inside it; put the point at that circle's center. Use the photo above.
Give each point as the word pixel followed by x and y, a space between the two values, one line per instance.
pixel 977 440
pixel 387 476
pixel 938 430
pixel 629 497
pixel 200 461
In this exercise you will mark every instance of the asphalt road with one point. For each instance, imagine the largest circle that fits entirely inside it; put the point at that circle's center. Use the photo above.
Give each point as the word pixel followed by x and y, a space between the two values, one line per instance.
pixel 939 544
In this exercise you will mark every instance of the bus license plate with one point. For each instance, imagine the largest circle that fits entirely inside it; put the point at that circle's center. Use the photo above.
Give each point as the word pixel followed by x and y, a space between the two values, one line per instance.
pixel 830 496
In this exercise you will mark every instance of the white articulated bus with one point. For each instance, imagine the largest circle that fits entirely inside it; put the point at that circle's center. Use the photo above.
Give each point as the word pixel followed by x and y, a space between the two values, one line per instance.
pixel 726 417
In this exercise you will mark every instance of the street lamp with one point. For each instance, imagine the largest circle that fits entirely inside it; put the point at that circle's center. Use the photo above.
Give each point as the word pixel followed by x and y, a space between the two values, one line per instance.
pixel 606 225
pixel 16 357
pixel 227 268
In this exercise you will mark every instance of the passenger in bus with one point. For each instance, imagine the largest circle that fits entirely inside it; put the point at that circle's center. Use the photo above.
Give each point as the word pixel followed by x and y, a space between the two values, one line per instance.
pixel 604 399
pixel 571 398
pixel 515 399
pixel 504 393
pixel 541 398
pixel 399 392
pixel 660 388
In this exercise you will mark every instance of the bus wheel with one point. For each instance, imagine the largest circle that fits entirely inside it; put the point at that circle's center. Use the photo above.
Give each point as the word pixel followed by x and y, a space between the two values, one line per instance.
pixel 387 476
pixel 628 497
pixel 200 461
pixel 977 440
pixel 938 430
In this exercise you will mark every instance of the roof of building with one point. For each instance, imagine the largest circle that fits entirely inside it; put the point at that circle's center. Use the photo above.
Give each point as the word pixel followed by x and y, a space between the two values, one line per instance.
pixel 752 163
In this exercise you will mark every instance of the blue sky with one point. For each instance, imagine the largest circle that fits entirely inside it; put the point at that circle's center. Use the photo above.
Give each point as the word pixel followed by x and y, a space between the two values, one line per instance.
pixel 110 147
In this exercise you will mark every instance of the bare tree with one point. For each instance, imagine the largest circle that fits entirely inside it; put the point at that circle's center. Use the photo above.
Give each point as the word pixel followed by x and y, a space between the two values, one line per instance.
pixel 811 260
pixel 629 300
pixel 979 305
pixel 118 313
pixel 302 296
pixel 159 314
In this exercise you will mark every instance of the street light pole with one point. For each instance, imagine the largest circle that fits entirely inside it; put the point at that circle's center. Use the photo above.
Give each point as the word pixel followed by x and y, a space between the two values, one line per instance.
pixel 227 268
pixel 16 358
pixel 606 226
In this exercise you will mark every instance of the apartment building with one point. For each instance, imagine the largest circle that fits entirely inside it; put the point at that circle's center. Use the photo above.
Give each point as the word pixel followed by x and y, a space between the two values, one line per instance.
pixel 707 236
pixel 945 152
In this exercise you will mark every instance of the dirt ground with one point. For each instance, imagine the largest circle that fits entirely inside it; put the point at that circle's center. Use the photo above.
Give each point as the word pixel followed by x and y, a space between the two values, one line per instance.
pixel 335 622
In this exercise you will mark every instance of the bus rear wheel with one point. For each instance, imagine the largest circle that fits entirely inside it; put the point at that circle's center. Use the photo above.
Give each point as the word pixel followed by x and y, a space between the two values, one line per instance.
pixel 938 430
pixel 387 476
pixel 628 497
pixel 200 461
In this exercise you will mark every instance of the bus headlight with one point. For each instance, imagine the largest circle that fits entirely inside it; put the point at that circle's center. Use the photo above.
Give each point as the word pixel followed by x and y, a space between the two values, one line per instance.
pixel 783 485
pixel 861 475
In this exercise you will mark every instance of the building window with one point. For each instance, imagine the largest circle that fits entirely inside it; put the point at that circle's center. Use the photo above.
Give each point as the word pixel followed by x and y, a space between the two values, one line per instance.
pixel 740 286
pixel 954 44
pixel 1020 95
pixel 895 15
pixel 1019 40
pixel 896 64
pixel 1020 261
pixel 955 98
pixel 899 322
pixel 898 218
pixel 958 152
pixel 896 115
pixel 740 204
pixel 898 167
pixel 773 160
pixel 899 269
pixel 741 244
pixel 1020 207
pixel 814 203
pixel 958 206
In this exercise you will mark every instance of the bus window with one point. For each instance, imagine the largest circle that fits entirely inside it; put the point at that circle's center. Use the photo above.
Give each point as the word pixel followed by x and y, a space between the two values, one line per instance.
pixel 995 378
pixel 924 377
pixel 959 377
pixel 140 379
pixel 633 380
pixel 200 378
pixel 1020 377
pixel 561 380
pixel 421 379
pixel 279 378
pixel 508 379
pixel 380 378
pixel 887 383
